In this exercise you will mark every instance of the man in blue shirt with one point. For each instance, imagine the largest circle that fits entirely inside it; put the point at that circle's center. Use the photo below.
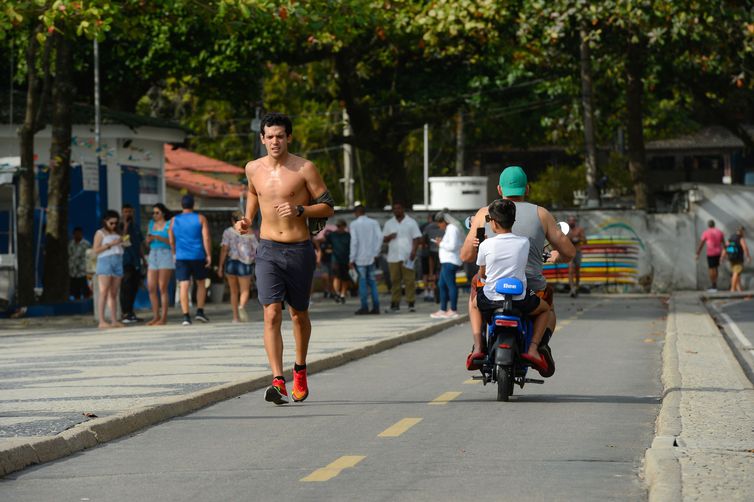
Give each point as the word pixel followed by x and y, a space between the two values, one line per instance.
pixel 190 241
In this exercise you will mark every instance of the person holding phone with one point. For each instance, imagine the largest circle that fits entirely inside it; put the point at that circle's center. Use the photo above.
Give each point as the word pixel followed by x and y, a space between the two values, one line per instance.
pixel 450 261
pixel 108 245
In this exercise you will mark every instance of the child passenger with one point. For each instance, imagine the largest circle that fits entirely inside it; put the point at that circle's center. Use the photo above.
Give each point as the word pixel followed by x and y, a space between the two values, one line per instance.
pixel 505 256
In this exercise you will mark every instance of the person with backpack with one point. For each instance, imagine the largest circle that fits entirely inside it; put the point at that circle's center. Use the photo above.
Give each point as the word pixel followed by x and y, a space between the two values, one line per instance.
pixel 736 250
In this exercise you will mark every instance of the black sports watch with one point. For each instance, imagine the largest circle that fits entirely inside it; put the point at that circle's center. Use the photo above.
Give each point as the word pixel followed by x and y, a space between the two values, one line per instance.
pixel 299 210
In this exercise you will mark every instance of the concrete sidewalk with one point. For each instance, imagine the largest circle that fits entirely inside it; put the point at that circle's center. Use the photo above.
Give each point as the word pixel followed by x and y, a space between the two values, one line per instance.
pixel 55 370
pixel 704 447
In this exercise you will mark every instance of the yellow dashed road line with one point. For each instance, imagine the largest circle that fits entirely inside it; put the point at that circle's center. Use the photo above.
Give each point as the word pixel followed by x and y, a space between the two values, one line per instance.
pixel 333 469
pixel 471 381
pixel 445 397
pixel 399 427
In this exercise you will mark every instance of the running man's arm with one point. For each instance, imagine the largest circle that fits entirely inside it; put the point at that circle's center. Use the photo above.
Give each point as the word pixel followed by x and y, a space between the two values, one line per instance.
pixel 317 191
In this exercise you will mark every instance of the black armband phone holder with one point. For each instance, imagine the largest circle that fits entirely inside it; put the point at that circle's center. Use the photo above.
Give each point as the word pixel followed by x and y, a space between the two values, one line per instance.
pixel 316 225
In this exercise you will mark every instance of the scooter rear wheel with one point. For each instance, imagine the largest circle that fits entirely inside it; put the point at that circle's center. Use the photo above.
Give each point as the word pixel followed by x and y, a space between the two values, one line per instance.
pixel 504 382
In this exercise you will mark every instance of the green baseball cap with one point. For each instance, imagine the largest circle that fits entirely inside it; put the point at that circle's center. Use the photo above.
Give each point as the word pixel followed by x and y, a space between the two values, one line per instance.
pixel 513 181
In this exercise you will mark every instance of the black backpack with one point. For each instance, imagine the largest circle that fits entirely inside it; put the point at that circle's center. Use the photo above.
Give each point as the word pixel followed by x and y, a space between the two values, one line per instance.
pixel 733 249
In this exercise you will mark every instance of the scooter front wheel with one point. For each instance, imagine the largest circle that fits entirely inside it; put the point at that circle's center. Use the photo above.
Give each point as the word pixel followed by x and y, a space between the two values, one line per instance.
pixel 504 382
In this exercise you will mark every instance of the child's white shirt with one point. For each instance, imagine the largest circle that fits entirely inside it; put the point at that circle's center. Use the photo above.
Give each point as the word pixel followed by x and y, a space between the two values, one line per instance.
pixel 504 255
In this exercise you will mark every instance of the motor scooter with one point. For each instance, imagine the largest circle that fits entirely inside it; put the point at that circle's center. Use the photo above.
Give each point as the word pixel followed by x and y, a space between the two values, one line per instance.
pixel 507 336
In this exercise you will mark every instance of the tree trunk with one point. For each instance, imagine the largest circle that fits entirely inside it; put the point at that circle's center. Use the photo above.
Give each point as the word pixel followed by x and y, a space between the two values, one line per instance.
pixel 587 105
pixel 635 127
pixel 26 265
pixel 56 237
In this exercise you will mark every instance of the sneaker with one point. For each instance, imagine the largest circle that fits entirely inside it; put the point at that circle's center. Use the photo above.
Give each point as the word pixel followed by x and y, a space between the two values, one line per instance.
pixel 451 314
pixel 394 307
pixel 300 388
pixel 186 320
pixel 200 316
pixel 343 300
pixel 375 311
pixel 276 393
pixel 440 314
pixel 712 290
pixel 361 312
pixel 129 319
pixel 243 316
pixel 411 307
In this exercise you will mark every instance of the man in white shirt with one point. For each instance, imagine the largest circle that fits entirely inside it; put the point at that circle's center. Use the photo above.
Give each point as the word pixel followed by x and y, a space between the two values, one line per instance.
pixel 505 256
pixel 403 236
pixel 366 244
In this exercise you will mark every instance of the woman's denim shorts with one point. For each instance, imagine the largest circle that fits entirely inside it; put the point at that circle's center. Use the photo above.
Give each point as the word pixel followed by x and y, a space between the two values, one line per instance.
pixel 235 267
pixel 110 265
pixel 160 259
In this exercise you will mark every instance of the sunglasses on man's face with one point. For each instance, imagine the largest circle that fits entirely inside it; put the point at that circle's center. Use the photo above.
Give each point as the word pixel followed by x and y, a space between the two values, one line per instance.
pixel 487 218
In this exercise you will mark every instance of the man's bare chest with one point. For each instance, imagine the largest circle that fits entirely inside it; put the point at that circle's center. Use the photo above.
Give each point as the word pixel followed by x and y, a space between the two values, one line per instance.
pixel 272 185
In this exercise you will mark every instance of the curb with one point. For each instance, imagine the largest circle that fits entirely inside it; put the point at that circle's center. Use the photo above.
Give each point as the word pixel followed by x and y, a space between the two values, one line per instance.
pixel 26 452
pixel 662 469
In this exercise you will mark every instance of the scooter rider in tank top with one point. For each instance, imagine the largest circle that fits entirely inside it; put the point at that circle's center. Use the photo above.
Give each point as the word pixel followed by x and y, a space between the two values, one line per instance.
pixel 538 225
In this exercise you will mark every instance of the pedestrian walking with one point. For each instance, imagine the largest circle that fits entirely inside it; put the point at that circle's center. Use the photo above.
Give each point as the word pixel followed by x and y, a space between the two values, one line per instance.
pixel 714 240
pixel 133 257
pixel 294 203
pixel 364 253
pixel 190 242
pixel 449 253
pixel 430 257
pixel 402 234
pixel 578 239
pixel 77 246
pixel 108 245
pixel 340 244
pixel 323 252
pixel 737 251
pixel 160 264
pixel 237 253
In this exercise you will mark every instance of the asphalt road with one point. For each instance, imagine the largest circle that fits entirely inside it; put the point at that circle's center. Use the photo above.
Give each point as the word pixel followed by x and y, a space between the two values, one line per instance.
pixel 405 424
pixel 736 316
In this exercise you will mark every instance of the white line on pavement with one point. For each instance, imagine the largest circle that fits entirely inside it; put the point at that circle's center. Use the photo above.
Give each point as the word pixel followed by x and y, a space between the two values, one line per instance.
pixel 745 344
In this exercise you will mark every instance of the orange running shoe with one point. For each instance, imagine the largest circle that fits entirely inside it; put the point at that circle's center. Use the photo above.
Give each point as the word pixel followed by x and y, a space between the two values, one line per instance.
pixel 300 389
pixel 276 393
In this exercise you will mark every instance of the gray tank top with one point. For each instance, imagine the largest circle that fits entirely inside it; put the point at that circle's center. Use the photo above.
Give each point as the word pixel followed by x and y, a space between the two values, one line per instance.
pixel 529 225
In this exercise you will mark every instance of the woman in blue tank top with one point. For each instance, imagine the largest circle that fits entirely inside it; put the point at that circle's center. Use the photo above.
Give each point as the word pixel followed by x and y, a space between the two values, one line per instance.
pixel 160 263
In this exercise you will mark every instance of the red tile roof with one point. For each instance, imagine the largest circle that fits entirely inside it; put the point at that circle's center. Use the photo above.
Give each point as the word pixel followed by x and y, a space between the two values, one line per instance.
pixel 184 159
pixel 181 168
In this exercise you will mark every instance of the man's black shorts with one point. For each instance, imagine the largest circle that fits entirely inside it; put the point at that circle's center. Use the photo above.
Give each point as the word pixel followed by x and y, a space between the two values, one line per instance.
pixel 487 306
pixel 430 263
pixel 713 261
pixel 284 272
pixel 340 270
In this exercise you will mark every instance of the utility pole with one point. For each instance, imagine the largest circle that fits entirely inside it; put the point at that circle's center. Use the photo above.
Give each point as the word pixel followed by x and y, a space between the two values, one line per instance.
pixel 587 105
pixel 347 162
pixel 426 166
pixel 460 143
pixel 97 116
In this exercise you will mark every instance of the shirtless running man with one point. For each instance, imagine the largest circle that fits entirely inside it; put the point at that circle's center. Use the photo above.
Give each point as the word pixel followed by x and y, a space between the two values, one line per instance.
pixel 287 189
